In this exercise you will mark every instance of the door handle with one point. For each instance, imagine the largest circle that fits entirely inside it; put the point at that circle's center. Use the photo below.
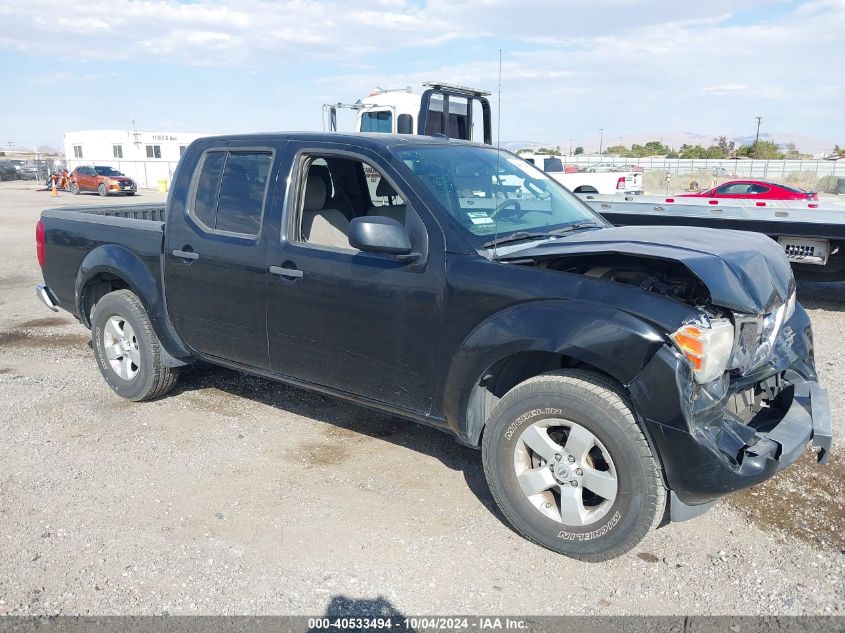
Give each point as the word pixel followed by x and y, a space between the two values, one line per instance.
pixel 286 272
pixel 186 254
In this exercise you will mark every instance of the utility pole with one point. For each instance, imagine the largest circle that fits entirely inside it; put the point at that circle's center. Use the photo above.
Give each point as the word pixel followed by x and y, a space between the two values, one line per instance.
pixel 570 146
pixel 757 138
pixel 11 145
pixel 601 139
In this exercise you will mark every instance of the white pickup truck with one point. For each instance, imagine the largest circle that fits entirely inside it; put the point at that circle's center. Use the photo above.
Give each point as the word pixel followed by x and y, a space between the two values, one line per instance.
pixel 601 182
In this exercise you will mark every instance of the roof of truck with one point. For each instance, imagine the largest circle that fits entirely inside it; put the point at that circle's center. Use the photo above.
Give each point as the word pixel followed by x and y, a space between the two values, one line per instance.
pixel 371 139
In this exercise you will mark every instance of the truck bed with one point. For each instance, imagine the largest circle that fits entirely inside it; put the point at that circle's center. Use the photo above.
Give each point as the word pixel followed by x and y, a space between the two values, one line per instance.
pixel 72 234
pixel 154 212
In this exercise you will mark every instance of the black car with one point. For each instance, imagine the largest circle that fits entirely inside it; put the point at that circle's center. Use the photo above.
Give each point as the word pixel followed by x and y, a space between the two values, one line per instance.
pixel 613 378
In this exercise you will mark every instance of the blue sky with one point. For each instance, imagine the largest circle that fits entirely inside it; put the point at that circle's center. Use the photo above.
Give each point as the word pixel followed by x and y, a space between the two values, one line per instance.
pixel 655 68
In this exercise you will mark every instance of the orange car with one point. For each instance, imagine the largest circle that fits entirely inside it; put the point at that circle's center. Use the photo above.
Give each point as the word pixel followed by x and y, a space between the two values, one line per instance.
pixel 102 179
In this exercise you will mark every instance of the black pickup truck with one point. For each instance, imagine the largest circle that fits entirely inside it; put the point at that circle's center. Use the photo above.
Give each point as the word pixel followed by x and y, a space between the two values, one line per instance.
pixel 615 379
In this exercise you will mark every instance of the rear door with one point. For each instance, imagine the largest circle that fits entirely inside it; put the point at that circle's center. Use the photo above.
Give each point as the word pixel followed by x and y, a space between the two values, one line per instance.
pixel 215 250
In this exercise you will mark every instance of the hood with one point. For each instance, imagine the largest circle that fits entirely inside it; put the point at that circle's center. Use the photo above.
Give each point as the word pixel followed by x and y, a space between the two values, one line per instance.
pixel 745 272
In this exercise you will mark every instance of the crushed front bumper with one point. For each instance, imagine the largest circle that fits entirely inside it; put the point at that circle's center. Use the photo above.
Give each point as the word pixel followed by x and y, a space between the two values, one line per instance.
pixel 708 449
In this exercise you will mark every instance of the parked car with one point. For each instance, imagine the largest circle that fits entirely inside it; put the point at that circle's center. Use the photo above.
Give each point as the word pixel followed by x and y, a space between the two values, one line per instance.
pixel 102 179
pixel 8 170
pixel 754 189
pixel 29 172
pixel 613 378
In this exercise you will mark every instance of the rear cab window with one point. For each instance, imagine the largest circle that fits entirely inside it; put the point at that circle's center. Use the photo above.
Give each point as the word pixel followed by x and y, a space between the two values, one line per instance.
pixel 230 191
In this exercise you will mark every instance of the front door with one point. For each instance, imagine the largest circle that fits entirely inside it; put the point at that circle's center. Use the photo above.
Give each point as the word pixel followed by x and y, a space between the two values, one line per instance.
pixel 362 323
pixel 85 179
pixel 214 254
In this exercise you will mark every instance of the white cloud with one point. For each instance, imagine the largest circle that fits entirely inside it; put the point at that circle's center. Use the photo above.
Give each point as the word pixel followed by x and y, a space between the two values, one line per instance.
pixel 726 89
pixel 568 65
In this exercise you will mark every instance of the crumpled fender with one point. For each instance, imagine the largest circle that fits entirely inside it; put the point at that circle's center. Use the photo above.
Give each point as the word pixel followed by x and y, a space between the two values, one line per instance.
pixel 122 262
pixel 607 338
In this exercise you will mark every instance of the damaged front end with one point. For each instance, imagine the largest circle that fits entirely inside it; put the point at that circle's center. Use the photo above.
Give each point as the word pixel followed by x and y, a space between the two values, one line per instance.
pixel 732 398
pixel 739 429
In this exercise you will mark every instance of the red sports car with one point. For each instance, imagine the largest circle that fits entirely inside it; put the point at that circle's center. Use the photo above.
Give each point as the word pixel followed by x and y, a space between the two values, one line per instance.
pixel 754 190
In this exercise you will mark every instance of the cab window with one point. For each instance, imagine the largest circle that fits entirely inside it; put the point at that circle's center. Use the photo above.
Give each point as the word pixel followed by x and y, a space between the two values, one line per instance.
pixel 377 122
pixel 230 190
pixel 337 190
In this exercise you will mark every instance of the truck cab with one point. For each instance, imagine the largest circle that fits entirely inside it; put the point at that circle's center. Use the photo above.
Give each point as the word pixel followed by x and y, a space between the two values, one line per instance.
pixel 443 109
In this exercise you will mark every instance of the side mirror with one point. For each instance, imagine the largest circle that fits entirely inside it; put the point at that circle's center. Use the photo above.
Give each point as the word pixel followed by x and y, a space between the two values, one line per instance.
pixel 378 234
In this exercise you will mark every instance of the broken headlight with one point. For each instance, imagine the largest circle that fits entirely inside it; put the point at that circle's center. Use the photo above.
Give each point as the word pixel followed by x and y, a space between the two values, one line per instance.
pixel 756 335
pixel 707 346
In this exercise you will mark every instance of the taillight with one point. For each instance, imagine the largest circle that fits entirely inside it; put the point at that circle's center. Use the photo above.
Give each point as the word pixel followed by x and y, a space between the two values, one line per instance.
pixel 39 243
pixel 620 184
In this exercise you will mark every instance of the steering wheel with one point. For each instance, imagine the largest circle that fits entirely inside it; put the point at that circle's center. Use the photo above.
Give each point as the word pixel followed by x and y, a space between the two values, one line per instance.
pixel 504 205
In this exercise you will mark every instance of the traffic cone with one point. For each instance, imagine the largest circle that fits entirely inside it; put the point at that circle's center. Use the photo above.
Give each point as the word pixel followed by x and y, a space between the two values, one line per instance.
pixel 55 192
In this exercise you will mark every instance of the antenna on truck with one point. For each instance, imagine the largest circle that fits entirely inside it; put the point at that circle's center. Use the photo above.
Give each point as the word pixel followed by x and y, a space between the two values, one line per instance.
pixel 498 153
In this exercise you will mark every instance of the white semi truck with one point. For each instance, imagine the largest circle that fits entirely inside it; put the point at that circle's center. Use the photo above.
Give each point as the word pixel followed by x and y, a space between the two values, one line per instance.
pixel 442 109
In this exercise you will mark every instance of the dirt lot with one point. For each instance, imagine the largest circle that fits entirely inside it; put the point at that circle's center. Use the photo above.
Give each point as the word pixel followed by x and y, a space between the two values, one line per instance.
pixel 238 495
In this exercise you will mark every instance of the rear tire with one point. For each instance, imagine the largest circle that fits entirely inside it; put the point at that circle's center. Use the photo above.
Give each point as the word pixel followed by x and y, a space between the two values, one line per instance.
pixel 127 349
pixel 598 491
pixel 102 190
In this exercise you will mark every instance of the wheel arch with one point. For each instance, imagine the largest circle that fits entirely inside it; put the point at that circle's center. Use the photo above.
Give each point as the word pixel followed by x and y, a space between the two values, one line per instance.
pixel 530 339
pixel 113 267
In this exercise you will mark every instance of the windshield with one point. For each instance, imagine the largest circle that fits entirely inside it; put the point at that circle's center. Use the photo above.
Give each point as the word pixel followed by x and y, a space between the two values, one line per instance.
pixel 107 171
pixel 493 193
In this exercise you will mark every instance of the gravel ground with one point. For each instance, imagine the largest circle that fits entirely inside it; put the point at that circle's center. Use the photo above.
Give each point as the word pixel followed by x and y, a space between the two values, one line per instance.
pixel 236 495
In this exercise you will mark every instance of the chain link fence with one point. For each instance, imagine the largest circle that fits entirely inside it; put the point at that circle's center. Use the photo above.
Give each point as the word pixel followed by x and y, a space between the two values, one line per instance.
pixel 28 168
pixel 823 176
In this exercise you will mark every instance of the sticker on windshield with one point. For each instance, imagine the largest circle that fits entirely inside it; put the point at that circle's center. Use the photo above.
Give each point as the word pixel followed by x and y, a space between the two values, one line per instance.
pixel 479 217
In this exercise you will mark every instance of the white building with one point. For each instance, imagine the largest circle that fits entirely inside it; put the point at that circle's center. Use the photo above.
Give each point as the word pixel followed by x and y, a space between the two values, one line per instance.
pixel 146 157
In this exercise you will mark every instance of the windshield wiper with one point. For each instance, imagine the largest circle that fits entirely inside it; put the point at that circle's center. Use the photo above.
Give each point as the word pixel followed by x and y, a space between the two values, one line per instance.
pixel 519 236
pixel 575 227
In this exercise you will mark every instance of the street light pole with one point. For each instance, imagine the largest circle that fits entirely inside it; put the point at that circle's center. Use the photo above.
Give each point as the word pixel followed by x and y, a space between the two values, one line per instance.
pixel 601 139
pixel 757 138
pixel 570 146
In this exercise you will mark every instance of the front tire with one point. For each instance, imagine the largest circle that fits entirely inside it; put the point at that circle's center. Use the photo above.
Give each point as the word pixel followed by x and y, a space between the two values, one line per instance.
pixel 127 349
pixel 74 188
pixel 102 190
pixel 570 468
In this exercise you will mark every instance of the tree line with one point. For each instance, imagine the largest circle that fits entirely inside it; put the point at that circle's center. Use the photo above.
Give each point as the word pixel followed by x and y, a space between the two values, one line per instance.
pixel 721 147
